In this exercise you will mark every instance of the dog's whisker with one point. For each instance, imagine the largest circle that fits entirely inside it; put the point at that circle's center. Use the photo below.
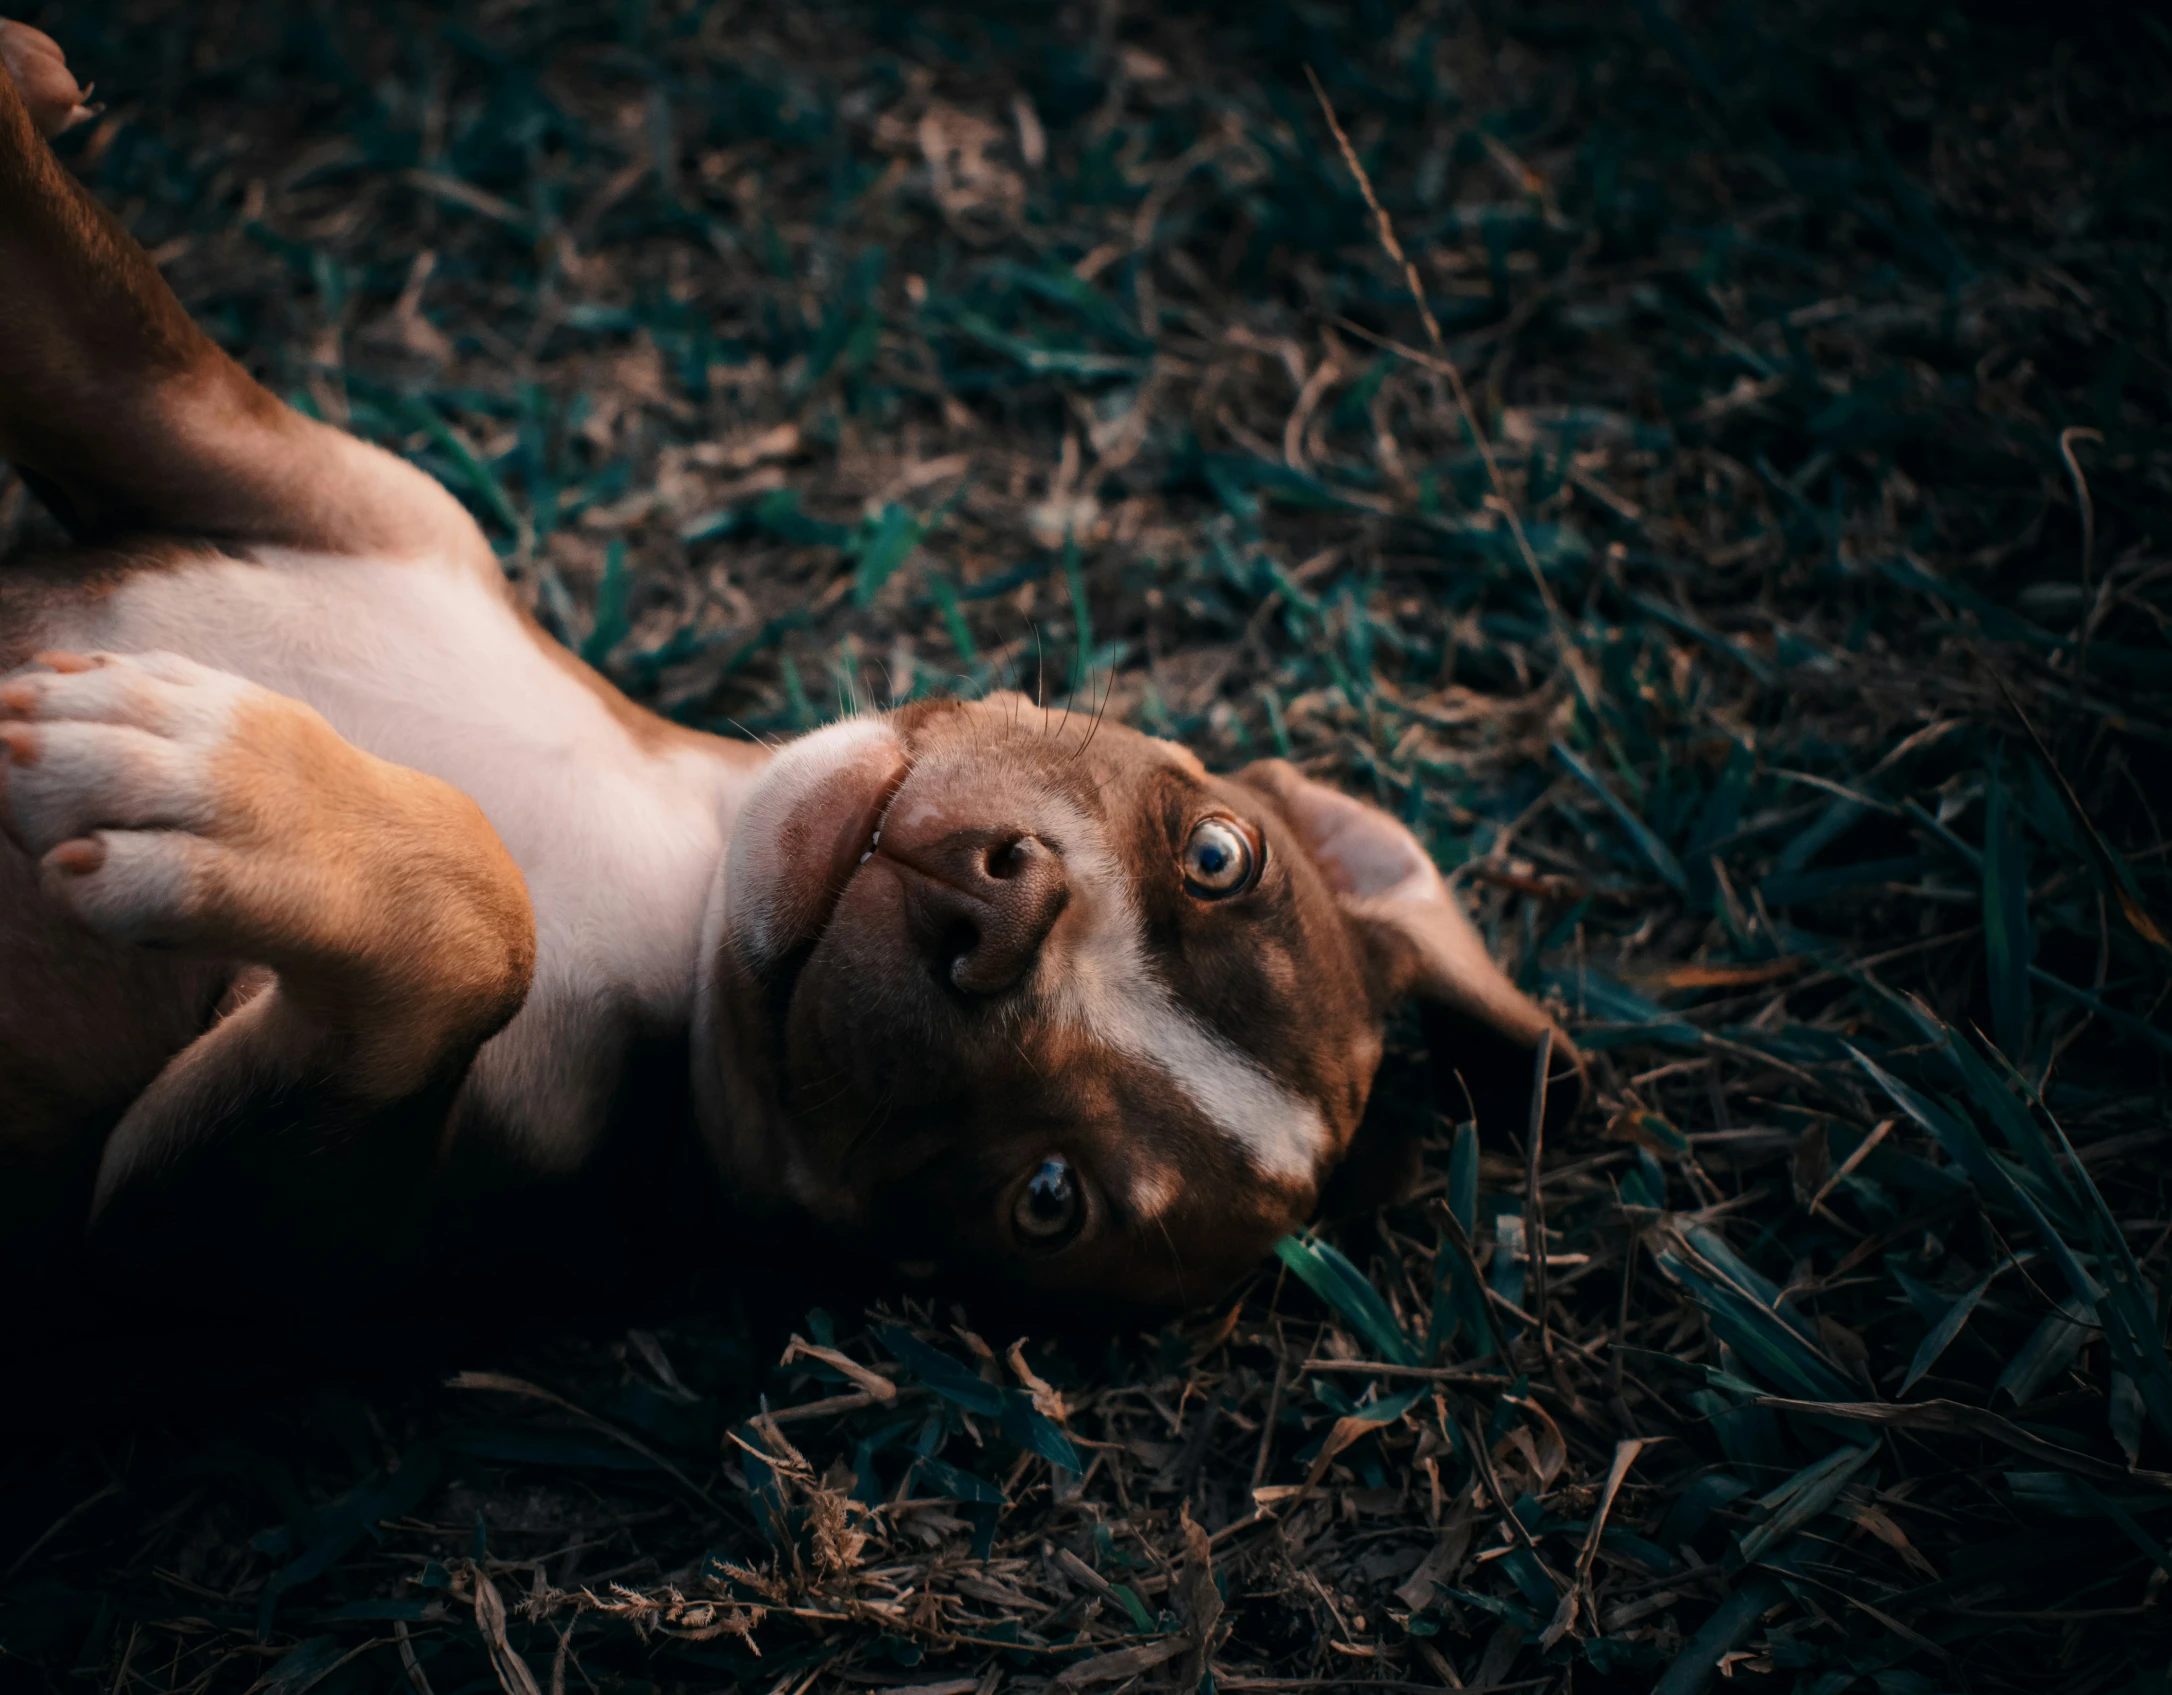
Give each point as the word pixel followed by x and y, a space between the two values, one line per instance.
pixel 1176 1260
pixel 1100 712
pixel 760 738
pixel 876 1120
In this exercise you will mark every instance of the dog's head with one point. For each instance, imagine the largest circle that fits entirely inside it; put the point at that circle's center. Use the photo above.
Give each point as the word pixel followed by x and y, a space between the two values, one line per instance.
pixel 1010 987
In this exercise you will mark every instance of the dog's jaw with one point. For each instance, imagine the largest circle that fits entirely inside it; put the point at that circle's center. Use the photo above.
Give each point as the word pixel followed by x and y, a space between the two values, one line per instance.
pixel 797 838
pixel 810 820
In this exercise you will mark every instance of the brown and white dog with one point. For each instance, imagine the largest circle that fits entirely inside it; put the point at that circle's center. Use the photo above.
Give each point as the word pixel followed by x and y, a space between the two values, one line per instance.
pixel 336 895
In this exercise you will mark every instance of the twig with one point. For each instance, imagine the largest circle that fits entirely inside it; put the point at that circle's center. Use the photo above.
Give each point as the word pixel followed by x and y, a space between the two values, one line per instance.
pixel 1476 1437
pixel 873 1382
pixel 1460 1245
pixel 1625 1456
pixel 1251 1520
pixel 1417 1373
pixel 61 1523
pixel 2087 626
pixel 2067 438
pixel 1534 1207
pixel 1862 1151
pixel 1400 1685
pixel 1267 1424
pixel 410 1663
pixel 851 1402
pixel 1586 686
pixel 499 1383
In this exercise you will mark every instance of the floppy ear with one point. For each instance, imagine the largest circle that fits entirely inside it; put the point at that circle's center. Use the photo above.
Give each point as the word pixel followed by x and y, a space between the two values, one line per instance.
pixel 1482 1032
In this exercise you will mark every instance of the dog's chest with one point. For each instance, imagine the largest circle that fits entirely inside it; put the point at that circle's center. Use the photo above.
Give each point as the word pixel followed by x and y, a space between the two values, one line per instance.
pixel 619 839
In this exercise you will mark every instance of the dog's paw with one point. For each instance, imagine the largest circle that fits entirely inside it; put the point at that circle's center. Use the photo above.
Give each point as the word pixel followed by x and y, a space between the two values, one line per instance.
pixel 41 74
pixel 127 776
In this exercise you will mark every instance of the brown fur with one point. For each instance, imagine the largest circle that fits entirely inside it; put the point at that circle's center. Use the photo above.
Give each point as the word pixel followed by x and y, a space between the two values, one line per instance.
pixel 124 415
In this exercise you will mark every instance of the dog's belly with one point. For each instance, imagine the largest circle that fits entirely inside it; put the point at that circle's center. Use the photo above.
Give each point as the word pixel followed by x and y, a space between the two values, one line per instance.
pixel 618 823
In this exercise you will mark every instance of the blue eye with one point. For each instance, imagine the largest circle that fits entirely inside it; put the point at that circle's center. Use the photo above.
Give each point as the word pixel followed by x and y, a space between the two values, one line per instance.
pixel 1218 859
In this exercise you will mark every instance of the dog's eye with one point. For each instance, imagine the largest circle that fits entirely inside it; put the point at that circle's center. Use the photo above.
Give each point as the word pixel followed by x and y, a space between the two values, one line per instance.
pixel 1218 860
pixel 1049 1208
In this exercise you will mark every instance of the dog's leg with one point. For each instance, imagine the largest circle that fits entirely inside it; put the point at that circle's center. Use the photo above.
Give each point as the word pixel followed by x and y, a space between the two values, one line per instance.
pixel 174 805
pixel 124 416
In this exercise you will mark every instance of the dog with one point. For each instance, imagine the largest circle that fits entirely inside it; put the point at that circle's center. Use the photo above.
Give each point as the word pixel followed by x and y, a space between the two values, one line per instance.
pixel 338 898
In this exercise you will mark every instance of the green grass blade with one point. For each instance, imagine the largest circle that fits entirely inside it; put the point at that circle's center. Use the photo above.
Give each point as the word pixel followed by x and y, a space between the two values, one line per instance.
pixel 1656 852
pixel 1082 619
pixel 1463 1177
pixel 955 1383
pixel 2125 1308
pixel 1342 1286
pixel 2007 943
pixel 2125 1022
pixel 954 624
pixel 1803 1497
pixel 2112 869
pixel 1727 1628
pixel 2128 1525
pixel 887 546
pixel 2050 1349
pixel 1141 1620
pixel 1767 1344
pixel 1038 1433
pixel 1459 1303
pixel 2015 1127
pixel 1943 1332
pixel 957 1484
pixel 479 477
pixel 612 624
pixel 1961 1142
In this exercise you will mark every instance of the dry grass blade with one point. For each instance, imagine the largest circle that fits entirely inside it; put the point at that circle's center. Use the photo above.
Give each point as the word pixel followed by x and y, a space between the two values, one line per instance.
pixel 1440 362
pixel 497 1382
pixel 514 1677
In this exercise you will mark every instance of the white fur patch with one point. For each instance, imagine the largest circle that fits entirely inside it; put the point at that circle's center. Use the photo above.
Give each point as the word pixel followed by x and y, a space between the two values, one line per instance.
pixel 1154 1191
pixel 1106 984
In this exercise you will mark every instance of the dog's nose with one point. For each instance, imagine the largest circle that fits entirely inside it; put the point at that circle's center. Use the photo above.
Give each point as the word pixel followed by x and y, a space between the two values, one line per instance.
pixel 979 904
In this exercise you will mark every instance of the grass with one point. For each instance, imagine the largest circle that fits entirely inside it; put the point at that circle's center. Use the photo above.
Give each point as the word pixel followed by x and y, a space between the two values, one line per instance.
pixel 1787 695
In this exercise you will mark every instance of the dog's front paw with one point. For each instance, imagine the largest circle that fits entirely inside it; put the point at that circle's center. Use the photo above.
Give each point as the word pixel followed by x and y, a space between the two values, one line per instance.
pixel 129 776
pixel 41 74
pixel 168 802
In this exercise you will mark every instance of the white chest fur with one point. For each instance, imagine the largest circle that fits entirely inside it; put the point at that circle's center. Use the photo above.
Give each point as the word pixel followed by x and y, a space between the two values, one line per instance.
pixel 430 668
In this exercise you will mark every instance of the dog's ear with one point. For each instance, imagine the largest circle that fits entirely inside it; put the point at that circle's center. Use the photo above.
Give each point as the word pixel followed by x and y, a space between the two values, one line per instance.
pixel 1482 1032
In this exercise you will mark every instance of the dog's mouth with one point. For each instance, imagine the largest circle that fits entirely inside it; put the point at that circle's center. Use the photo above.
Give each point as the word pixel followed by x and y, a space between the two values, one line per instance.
pixel 857 836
